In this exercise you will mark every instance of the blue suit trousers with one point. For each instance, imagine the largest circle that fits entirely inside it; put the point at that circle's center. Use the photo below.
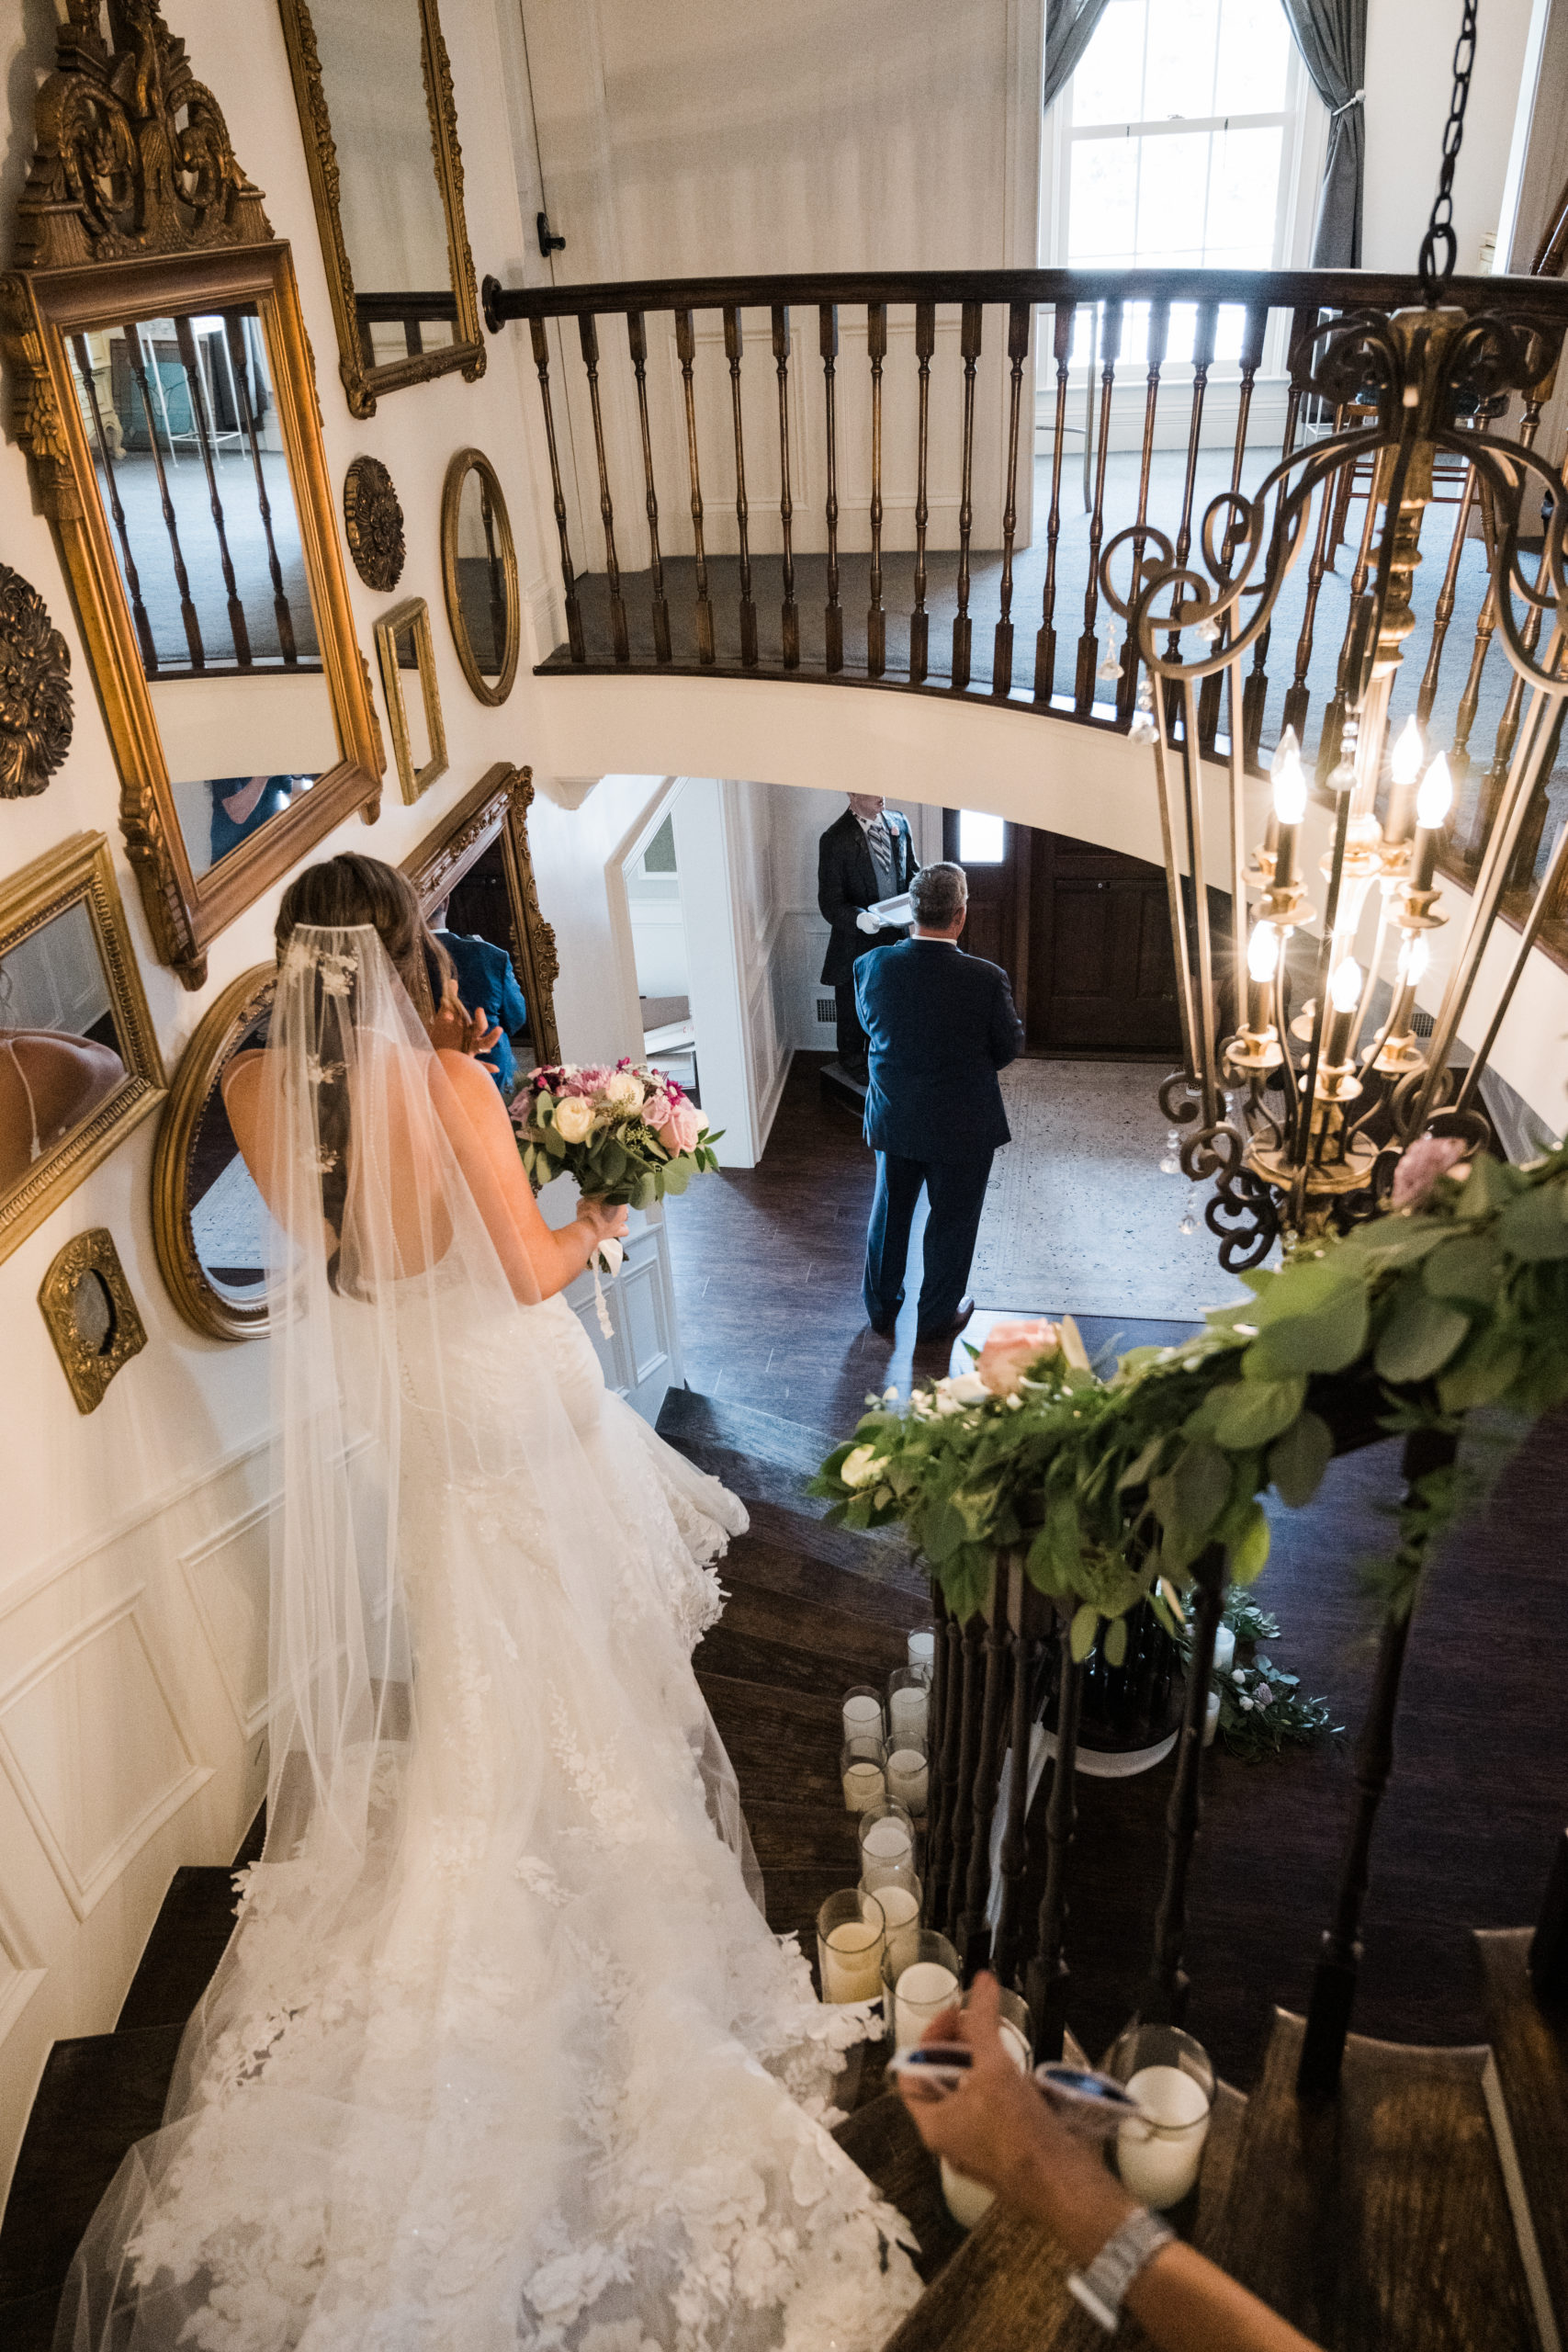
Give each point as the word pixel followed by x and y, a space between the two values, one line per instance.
pixel 955 1190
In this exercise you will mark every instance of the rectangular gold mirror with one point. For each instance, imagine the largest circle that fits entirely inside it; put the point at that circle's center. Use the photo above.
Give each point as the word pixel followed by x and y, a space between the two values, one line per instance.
pixel 79 1061
pixel 475 879
pixel 374 89
pixel 167 400
pixel 406 655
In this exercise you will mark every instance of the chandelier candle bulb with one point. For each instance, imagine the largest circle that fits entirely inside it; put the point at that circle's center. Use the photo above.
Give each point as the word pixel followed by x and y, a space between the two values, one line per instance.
pixel 1432 804
pixel 1262 965
pixel 1345 1002
pixel 1289 807
pixel 1405 768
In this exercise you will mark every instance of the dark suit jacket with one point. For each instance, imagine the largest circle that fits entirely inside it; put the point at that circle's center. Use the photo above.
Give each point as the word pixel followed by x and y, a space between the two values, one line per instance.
pixel 846 882
pixel 485 977
pixel 940 1024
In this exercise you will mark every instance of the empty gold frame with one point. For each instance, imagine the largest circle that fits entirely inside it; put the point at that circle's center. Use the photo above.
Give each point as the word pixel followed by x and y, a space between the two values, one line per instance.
pixel 209 1218
pixel 404 648
pixel 374 88
pixel 91 1315
pixel 478 858
pixel 79 1061
pixel 479 571
pixel 164 389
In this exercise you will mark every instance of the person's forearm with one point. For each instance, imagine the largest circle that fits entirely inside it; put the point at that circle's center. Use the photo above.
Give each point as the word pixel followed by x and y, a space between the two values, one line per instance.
pixel 568 1248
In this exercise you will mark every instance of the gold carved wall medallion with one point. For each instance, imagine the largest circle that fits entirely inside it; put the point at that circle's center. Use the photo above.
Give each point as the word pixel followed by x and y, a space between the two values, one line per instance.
pixel 373 520
pixel 91 1315
pixel 35 690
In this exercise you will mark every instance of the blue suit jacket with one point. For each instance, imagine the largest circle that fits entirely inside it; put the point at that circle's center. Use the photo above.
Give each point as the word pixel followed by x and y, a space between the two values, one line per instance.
pixel 485 977
pixel 940 1024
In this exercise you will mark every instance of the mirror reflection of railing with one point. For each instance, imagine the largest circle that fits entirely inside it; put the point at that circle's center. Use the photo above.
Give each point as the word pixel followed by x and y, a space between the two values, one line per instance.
pixel 412 313
pixel 890 523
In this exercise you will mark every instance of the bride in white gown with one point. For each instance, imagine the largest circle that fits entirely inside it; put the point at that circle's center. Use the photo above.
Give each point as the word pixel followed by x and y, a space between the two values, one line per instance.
pixel 501 2053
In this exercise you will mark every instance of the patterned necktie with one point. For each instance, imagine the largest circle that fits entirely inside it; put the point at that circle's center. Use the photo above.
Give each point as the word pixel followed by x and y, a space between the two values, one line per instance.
pixel 881 849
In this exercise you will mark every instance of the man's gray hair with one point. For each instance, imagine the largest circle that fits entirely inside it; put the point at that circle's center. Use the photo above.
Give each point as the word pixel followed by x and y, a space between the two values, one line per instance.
pixel 939 893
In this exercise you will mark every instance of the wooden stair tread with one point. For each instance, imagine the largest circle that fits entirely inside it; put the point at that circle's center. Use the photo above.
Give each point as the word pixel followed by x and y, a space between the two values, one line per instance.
pixel 883 1557
pixel 868 1650
pixel 188 1940
pixel 1530 2049
pixel 1378 2221
pixel 771 1560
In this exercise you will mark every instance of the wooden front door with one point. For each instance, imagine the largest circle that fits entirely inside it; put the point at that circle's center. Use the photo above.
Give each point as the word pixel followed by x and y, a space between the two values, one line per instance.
pixel 995 858
pixel 1101 975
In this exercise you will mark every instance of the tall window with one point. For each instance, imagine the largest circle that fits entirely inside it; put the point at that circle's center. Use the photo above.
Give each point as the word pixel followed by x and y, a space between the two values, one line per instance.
pixel 1181 130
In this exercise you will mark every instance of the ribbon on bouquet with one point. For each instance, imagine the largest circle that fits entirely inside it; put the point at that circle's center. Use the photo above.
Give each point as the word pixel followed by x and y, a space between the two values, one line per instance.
pixel 611 1256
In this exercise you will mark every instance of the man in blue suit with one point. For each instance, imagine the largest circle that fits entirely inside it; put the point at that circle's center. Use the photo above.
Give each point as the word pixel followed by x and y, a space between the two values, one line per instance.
pixel 940 1026
pixel 488 985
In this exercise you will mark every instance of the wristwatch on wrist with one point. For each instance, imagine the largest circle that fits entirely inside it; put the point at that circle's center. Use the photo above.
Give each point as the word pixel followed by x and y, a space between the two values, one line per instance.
pixel 1102 2287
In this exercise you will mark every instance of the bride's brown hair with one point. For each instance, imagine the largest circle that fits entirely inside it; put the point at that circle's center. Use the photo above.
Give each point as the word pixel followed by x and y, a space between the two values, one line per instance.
pixel 338 894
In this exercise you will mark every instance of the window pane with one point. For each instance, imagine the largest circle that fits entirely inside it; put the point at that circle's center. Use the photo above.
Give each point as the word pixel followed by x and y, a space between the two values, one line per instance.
pixel 1178 70
pixel 1244 176
pixel 1172 187
pixel 979 838
pixel 1108 82
pixel 1102 204
pixel 1255 52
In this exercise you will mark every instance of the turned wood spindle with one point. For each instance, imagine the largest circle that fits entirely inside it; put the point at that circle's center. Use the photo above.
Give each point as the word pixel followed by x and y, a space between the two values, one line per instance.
pixel 876 619
pixel 963 1808
pixel 106 459
pixel 1018 317
pixel 171 525
pixel 238 362
pixel 1164 1998
pixel 588 336
pixel 1045 639
pixel 685 347
pixel 936 1745
pixel 973 1936
pixel 790 615
pixel 1047 1979
pixel 1202 354
pixel 1255 327
pixel 969 347
pixel 636 337
pixel 920 619
pixel 1015 1851
pixel 538 336
pixel 732 348
pixel 828 345
pixel 1255 694
pixel 191 364
pixel 1089 642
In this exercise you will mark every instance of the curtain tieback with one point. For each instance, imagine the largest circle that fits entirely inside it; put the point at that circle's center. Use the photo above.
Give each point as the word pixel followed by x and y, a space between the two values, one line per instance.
pixel 1355 101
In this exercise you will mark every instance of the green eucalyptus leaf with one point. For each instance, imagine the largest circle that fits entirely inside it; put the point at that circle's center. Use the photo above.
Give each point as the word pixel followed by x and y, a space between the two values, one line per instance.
pixel 1314 1319
pixel 1469 1267
pixel 943 1531
pixel 1247 1552
pixel 1250 1412
pixel 1394 1239
pixel 1297 1460
pixel 1420 1336
pixel 1191 1495
pixel 1490 1184
pixel 1533 1226
pixel 676 1179
pixel 1115 1642
pixel 611 1164
pixel 1086 1624
pixel 645 1193
pixel 1487 1370
pixel 554 1142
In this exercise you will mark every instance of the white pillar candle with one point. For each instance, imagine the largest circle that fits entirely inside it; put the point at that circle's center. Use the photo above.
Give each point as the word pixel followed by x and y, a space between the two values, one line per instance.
pixel 1224 1649
pixel 889 1841
pixel 907 1779
pixel 906 1712
pixel 966 2200
pixel 900 1904
pixel 1162 2167
pixel 851 1963
pixel 861 1715
pixel 863 1787
pixel 921 1995
pixel 922 1649
pixel 1211 1718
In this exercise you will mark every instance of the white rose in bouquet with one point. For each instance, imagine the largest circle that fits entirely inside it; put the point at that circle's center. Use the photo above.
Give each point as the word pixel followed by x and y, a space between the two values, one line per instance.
pixel 575 1117
pixel 861 1468
pixel 623 1091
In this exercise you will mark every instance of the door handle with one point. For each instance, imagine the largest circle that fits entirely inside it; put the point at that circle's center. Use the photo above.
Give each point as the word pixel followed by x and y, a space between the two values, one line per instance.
pixel 548 245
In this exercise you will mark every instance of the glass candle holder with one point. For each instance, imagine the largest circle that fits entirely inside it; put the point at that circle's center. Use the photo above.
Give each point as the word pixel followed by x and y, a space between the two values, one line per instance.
pixel 862 1713
pixel 899 1893
pixel 966 2200
pixel 921 1649
pixel 906 1775
pixel 920 1980
pixel 1170 2076
pixel 908 1706
pixel 886 1834
pixel 862 1768
pixel 851 1938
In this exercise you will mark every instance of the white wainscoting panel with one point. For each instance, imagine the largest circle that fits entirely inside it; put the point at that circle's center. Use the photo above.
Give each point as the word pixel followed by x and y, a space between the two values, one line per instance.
pixel 228 1577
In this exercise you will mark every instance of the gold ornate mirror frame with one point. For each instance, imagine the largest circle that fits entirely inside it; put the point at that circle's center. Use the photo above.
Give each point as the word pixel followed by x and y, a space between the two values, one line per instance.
pixel 363 381
pixel 501 554
pixel 218 1034
pixel 411 619
pixel 89 1358
pixel 100 243
pixel 498 805
pixel 79 874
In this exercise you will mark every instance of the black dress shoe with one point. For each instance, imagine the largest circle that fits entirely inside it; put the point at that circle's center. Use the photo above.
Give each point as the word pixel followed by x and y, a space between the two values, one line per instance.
pixel 949 1331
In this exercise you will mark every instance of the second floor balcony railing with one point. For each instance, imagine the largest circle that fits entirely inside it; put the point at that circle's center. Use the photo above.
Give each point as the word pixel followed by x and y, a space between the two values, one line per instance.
pixel 953 483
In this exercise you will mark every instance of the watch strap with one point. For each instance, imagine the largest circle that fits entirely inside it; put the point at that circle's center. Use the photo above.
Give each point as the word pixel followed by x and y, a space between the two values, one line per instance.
pixel 1100 2287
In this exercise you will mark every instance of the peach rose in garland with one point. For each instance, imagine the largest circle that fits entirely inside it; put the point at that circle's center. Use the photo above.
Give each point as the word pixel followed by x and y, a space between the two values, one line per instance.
pixel 1017 1352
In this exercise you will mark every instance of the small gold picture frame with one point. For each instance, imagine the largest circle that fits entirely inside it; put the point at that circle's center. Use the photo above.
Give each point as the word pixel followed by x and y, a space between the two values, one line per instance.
pixel 403 644
pixel 91 1315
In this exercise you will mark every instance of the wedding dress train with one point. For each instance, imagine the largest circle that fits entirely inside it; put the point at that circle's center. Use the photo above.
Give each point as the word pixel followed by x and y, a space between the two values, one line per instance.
pixel 503 2053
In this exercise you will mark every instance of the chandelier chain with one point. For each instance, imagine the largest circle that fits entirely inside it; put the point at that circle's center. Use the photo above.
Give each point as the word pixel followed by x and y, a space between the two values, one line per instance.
pixel 1441 227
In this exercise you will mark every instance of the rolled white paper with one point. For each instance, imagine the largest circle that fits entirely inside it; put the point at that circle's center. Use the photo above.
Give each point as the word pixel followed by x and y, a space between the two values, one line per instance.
pixel 922 1648
pixel 1161 2169
pixel 907 1712
pixel 966 2200
pixel 851 1963
pixel 1224 1649
pixel 888 1839
pixel 1211 1718
pixel 863 1787
pixel 921 1993
pixel 899 1907
pixel 906 1778
pixel 862 1715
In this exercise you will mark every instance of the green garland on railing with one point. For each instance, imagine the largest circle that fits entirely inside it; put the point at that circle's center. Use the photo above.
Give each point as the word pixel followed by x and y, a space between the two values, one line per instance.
pixel 1457 1298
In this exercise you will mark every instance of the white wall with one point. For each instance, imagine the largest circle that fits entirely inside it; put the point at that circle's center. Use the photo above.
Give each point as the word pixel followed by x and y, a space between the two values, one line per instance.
pixel 1410 46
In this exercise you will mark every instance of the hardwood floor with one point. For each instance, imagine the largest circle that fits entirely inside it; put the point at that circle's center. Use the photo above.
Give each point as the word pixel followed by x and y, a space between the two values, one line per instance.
pixel 767 1266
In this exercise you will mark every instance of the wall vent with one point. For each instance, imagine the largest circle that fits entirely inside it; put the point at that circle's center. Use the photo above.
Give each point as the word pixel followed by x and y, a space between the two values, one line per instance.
pixel 828 1010
pixel 1420 1023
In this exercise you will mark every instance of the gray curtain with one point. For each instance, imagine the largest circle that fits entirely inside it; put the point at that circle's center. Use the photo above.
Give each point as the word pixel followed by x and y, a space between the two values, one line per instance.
pixel 1069 24
pixel 1332 38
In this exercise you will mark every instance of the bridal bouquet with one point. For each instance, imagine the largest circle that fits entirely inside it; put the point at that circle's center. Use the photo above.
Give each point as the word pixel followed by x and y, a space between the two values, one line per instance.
pixel 628 1135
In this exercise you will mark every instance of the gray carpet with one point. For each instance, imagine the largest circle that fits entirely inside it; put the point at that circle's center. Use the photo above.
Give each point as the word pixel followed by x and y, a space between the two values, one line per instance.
pixel 1078 1219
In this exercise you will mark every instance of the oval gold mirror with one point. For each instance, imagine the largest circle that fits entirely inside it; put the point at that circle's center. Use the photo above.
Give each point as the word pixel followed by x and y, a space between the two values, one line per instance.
pixel 479 569
pixel 209 1219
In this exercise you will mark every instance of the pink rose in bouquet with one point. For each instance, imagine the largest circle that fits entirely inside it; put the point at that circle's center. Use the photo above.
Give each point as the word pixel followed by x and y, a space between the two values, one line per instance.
pixel 626 1134
pixel 1015 1351
pixel 1423 1163
pixel 680 1125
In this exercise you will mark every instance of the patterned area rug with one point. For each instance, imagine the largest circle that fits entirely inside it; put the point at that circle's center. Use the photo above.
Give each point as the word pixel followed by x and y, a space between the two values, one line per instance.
pixel 1079 1219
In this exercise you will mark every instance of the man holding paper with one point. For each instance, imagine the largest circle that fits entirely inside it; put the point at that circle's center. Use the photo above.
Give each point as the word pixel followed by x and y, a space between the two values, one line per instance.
pixel 864 859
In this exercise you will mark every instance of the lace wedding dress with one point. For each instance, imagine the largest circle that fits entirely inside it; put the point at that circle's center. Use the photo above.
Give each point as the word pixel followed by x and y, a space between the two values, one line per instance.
pixel 503 2053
